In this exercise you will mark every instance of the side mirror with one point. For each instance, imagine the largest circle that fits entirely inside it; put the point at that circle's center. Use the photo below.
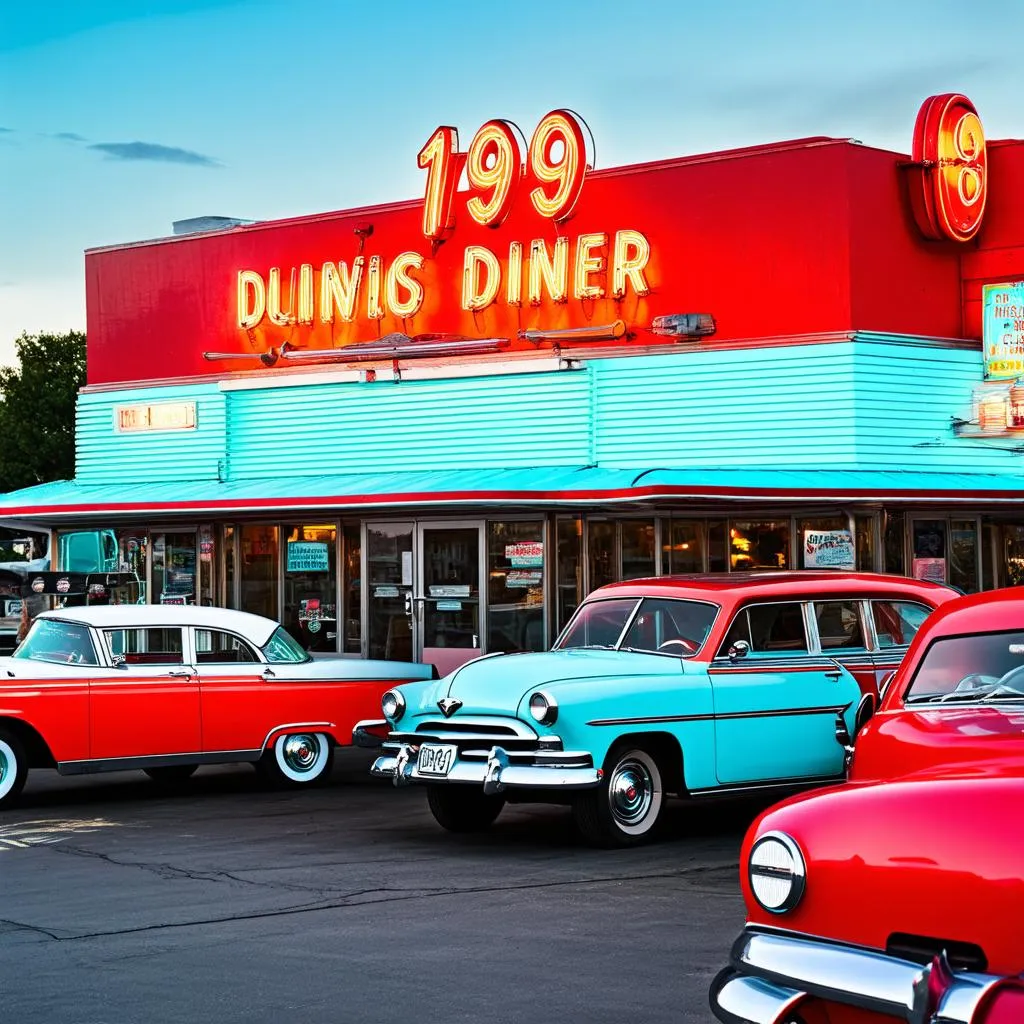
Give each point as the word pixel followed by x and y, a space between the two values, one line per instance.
pixel 740 649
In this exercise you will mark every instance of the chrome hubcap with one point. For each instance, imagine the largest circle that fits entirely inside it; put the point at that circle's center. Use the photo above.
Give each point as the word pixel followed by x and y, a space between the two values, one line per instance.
pixel 3 767
pixel 301 752
pixel 630 792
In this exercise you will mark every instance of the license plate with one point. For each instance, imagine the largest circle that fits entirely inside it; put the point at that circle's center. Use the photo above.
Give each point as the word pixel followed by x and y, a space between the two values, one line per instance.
pixel 436 758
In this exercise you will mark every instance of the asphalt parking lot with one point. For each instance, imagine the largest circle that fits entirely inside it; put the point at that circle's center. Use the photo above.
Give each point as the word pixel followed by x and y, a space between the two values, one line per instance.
pixel 231 903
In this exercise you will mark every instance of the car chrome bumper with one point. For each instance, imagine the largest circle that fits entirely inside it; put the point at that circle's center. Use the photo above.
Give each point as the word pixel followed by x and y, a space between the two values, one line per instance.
pixel 363 737
pixel 771 974
pixel 497 770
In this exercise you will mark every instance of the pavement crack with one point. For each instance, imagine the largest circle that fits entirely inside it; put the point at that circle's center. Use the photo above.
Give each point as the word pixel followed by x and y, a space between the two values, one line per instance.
pixel 386 895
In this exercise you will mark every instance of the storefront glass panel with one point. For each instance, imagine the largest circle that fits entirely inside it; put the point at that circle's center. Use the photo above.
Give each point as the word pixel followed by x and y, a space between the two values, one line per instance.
pixel 258 570
pixel 389 570
pixel 569 569
pixel 928 549
pixel 351 582
pixel 718 560
pixel 207 566
pixel 229 567
pixel 310 585
pixel 602 555
pixel 759 545
pixel 893 542
pixel 638 550
pixel 515 587
pixel 963 554
pixel 174 568
pixel 1013 554
pixel 819 524
pixel 133 556
pixel 682 547
pixel 864 538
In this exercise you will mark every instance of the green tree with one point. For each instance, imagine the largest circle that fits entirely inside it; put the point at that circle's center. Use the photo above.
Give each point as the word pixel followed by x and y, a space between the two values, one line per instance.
pixel 37 409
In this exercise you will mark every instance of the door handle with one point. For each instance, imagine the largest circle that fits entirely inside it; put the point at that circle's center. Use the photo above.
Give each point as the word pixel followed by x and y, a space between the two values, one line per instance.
pixel 180 675
pixel 833 674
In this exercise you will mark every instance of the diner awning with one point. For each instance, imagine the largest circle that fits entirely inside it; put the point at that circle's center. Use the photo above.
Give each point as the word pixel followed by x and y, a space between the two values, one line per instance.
pixel 584 486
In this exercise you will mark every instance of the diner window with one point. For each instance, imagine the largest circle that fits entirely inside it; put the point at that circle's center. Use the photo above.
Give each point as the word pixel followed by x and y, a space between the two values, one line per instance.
pixel 637 545
pixel 603 553
pixel 352 588
pixel 152 645
pixel 894 532
pixel 769 629
pixel 759 545
pixel 963 554
pixel 258 560
pixel 515 587
pixel 682 549
pixel 207 565
pixel 928 545
pixel 229 567
pixel 824 542
pixel 568 569
pixel 310 585
pixel 897 622
pixel 174 568
pixel 718 553
pixel 215 647
pixel 839 625
pixel 864 542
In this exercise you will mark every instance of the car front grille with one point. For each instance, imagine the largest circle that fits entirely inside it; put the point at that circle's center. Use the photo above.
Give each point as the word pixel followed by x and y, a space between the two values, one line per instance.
pixel 922 949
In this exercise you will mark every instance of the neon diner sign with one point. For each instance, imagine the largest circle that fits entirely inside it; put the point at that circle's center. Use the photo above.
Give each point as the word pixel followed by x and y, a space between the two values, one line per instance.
pixel 500 169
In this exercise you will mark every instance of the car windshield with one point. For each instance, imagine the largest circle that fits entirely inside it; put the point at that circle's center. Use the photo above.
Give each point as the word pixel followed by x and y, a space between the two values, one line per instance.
pixel 283 647
pixel 62 643
pixel 660 625
pixel 961 669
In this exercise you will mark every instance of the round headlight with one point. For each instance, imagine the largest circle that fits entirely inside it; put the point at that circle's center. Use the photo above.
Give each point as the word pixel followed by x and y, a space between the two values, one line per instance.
pixel 392 704
pixel 778 874
pixel 543 708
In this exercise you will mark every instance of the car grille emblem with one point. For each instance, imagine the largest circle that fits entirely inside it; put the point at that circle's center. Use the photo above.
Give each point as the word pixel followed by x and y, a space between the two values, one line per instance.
pixel 449 705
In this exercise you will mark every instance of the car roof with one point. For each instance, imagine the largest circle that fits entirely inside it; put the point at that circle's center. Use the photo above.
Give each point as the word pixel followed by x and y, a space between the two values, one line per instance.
pixel 256 628
pixel 779 583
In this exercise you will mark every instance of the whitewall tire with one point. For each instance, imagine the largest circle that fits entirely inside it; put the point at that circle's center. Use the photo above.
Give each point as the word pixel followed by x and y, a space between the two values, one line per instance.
pixel 625 809
pixel 13 768
pixel 301 758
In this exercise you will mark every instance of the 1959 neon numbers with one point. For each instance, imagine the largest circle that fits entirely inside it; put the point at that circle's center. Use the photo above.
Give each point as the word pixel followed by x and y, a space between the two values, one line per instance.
pixel 556 165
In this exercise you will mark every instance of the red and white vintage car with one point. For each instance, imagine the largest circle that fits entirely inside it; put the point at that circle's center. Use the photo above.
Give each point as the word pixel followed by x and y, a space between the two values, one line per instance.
pixel 167 688
pixel 899 896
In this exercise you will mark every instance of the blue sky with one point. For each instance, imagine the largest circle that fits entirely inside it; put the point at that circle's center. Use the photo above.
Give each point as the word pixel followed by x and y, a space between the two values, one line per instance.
pixel 118 117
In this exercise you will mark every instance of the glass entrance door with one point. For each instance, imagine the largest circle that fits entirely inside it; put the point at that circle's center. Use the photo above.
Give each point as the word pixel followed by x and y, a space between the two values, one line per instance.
pixel 174 568
pixel 389 586
pixel 450 582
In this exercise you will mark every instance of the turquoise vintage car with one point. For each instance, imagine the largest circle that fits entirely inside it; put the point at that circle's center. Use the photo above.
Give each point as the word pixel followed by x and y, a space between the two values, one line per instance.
pixel 693 686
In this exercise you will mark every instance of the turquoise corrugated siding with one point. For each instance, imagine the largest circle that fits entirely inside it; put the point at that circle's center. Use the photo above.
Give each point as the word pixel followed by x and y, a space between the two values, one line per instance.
pixel 102 455
pixel 906 399
pixel 529 420
pixel 869 404
pixel 786 406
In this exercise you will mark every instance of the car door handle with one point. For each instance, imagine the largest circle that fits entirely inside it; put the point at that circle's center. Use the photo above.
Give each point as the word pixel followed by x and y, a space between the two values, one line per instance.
pixel 833 674
pixel 180 675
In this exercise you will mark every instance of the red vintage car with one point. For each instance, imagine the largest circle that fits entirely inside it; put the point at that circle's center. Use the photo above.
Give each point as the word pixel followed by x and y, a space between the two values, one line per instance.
pixel 167 688
pixel 899 895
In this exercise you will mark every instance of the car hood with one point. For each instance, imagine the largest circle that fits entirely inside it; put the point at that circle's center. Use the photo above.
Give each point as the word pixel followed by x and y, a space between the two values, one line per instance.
pixel 497 684
pixel 974 740
pixel 937 858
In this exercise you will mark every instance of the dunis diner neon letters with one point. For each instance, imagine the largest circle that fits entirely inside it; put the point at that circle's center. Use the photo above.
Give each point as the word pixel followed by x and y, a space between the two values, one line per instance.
pixel 501 170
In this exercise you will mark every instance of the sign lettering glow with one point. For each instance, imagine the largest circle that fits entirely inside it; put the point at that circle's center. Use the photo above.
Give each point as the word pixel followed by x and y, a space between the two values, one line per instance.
pixel 543 273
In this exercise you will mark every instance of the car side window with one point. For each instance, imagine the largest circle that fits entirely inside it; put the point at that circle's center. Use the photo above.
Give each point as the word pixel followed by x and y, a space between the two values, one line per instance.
pixel 777 629
pixel 215 647
pixel 150 645
pixel 739 630
pixel 839 625
pixel 897 622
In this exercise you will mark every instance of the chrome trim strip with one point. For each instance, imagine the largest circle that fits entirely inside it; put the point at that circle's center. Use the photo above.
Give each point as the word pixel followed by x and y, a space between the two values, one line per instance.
pixel 791 782
pixel 295 725
pixel 781 713
pixel 124 764
pixel 736 999
pixel 854 976
pixel 483 722
pixel 494 775
pixel 362 737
